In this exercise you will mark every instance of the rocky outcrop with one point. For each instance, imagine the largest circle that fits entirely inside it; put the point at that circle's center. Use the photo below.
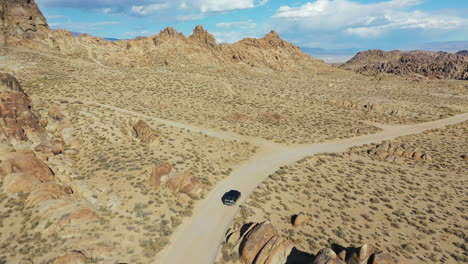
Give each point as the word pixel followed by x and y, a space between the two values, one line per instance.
pixel 48 195
pixel 157 176
pixel 397 153
pixel 362 255
pixel 201 36
pixel 17 121
pixel 20 20
pixel 441 65
pixel 23 24
pixel 22 171
pixel 9 82
pixel 164 175
pixel 260 243
pixel 146 134
pixel 462 52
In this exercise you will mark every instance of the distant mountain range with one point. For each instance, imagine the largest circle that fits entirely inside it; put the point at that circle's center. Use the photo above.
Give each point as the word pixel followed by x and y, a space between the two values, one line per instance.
pixel 448 46
pixel 331 55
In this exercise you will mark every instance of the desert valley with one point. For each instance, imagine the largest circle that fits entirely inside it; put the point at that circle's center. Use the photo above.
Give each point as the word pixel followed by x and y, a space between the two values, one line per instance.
pixel 120 151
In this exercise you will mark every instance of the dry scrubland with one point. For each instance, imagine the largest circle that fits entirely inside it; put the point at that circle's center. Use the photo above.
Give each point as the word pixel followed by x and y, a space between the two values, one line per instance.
pixel 283 107
pixel 415 210
pixel 109 169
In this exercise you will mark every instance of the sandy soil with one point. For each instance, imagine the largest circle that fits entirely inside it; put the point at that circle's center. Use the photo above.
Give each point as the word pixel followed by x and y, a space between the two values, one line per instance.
pixel 200 238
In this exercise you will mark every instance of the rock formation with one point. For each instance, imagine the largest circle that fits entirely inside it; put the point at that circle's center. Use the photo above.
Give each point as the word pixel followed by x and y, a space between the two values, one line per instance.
pixel 23 24
pixel 263 245
pixel 146 134
pixel 17 121
pixel 395 152
pixel 259 243
pixel 164 175
pixel 414 63
pixel 300 220
pixel 19 20
pixel 49 195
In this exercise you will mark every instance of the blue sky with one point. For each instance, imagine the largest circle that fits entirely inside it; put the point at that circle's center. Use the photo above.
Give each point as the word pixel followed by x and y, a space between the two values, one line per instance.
pixel 331 24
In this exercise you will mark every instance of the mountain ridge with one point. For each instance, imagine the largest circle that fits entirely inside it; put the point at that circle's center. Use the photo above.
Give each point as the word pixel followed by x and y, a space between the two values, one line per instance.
pixel 169 47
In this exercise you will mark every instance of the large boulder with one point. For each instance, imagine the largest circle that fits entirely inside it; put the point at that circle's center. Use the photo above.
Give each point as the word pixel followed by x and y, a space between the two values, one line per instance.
pixel 27 163
pixel 157 176
pixel 327 256
pixel 300 220
pixel 146 134
pixel 255 240
pixel 184 182
pixel 276 251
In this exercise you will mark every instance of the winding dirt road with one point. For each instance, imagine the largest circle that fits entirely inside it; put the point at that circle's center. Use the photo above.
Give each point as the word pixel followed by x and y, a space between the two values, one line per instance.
pixel 198 239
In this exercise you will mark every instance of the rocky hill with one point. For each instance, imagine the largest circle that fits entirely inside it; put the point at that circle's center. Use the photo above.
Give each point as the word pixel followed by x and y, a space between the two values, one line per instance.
pixel 23 24
pixel 439 65
pixel 20 19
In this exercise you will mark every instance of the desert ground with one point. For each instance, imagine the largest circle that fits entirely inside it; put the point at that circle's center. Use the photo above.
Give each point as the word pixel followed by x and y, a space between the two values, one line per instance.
pixel 120 151
pixel 412 207
pixel 215 124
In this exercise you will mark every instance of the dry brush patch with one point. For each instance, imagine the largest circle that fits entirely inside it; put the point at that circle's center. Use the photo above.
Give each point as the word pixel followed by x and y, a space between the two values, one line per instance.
pixel 414 210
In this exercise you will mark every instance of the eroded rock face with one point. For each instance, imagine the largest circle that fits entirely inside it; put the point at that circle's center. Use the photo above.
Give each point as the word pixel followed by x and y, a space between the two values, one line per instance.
pixel 202 36
pixel 260 243
pixel 25 175
pixel 20 19
pixel 146 134
pixel 185 182
pixel 164 175
pixel 263 245
pixel 17 121
pixel 158 175
pixel 22 171
pixel 9 82
pixel 397 153
pixel 423 63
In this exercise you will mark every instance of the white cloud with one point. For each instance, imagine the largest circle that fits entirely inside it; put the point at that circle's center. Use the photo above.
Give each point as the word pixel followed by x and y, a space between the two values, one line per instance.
pixel 144 10
pixel 237 24
pixel 364 20
pixel 223 5
pixel 149 7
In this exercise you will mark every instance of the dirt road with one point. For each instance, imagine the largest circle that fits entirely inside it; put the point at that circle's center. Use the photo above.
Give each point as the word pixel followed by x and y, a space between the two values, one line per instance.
pixel 199 238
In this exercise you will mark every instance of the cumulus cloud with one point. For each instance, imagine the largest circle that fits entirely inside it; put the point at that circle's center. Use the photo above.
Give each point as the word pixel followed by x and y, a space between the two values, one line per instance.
pixel 150 7
pixel 145 10
pixel 364 20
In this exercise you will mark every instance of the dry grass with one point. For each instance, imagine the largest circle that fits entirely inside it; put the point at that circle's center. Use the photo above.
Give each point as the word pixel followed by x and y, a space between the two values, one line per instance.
pixel 415 210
